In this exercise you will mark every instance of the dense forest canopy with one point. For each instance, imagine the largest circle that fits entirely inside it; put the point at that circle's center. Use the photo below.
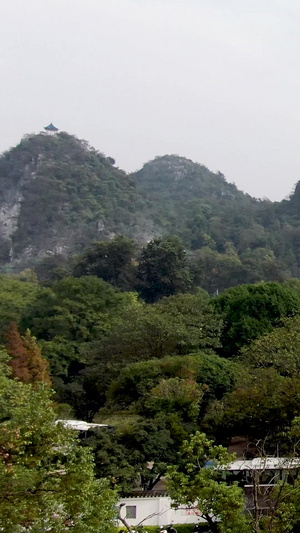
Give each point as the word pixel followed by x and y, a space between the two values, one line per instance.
pixel 157 372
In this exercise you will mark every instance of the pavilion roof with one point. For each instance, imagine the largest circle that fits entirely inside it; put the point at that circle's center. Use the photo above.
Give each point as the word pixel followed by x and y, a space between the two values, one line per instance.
pixel 51 127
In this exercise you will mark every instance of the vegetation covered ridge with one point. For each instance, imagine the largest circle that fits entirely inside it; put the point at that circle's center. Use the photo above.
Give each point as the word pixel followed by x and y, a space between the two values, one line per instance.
pixel 58 195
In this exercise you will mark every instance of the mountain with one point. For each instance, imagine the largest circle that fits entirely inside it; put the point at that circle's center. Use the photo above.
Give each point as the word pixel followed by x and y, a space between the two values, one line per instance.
pixel 187 199
pixel 58 194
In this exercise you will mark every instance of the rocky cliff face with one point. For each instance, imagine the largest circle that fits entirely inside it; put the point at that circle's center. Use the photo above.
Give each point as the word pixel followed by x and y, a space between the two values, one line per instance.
pixel 57 195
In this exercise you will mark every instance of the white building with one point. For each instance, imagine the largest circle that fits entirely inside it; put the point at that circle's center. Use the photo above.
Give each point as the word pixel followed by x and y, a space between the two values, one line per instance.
pixel 155 510
pixel 80 425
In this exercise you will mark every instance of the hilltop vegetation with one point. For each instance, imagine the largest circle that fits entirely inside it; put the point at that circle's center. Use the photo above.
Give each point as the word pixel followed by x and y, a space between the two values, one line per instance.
pixel 58 196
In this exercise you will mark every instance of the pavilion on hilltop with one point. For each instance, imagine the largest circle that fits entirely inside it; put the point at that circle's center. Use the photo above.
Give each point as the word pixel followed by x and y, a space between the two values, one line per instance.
pixel 51 128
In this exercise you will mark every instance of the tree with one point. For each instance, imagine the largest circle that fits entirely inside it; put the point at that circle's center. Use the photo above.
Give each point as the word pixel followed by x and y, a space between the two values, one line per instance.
pixel 37 365
pixel 47 480
pixel 249 311
pixel 27 362
pixel 174 325
pixel 17 351
pixel 113 459
pixel 15 296
pixel 266 396
pixel 137 452
pixel 202 324
pixel 66 320
pixel 138 382
pixel 53 268
pixel 163 269
pixel 199 480
pixel 261 264
pixel 215 272
pixel 111 261
pixel 175 395
pixel 260 406
pixel 279 349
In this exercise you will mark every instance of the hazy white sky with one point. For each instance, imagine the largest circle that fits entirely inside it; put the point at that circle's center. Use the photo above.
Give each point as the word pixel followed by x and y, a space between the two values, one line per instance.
pixel 217 81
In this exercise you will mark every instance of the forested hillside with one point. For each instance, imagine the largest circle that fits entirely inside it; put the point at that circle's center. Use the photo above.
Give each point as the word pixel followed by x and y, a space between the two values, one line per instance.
pixel 58 195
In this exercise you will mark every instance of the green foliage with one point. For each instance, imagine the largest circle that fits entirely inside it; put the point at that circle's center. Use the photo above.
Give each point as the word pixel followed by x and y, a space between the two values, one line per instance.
pixel 215 271
pixel 279 349
pixel 249 311
pixel 114 461
pixel 155 405
pixel 137 380
pixel 262 404
pixel 177 395
pixel 72 312
pixel 75 197
pixel 199 479
pixel 136 331
pixel 186 199
pixel 53 268
pixel 46 479
pixel 15 296
pixel 111 261
pixel 188 528
pixel 163 269
pixel 261 264
pixel 266 397
pixel 178 324
pixel 180 528
pixel 203 325
pixel 138 452
pixel 67 319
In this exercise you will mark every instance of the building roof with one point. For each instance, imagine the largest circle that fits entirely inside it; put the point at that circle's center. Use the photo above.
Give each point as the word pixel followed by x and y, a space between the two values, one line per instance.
pixel 51 127
pixel 265 463
pixel 145 494
pixel 80 425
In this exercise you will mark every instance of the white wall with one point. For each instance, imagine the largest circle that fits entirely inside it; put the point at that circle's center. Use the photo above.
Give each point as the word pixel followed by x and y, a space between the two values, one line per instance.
pixel 157 511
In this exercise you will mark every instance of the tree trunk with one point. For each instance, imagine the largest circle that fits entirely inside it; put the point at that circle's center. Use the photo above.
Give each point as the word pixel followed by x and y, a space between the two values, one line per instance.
pixel 154 482
pixel 123 520
pixel 214 526
pixel 256 502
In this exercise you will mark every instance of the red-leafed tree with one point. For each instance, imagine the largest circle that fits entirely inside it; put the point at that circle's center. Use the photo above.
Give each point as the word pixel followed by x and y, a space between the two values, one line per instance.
pixel 37 365
pixel 27 362
pixel 17 351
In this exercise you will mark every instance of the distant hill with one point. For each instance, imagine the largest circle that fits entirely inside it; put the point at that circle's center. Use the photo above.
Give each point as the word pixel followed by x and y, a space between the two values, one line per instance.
pixel 186 198
pixel 57 195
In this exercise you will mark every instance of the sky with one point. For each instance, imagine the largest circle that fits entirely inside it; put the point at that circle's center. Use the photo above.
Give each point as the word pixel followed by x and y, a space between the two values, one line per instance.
pixel 216 81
